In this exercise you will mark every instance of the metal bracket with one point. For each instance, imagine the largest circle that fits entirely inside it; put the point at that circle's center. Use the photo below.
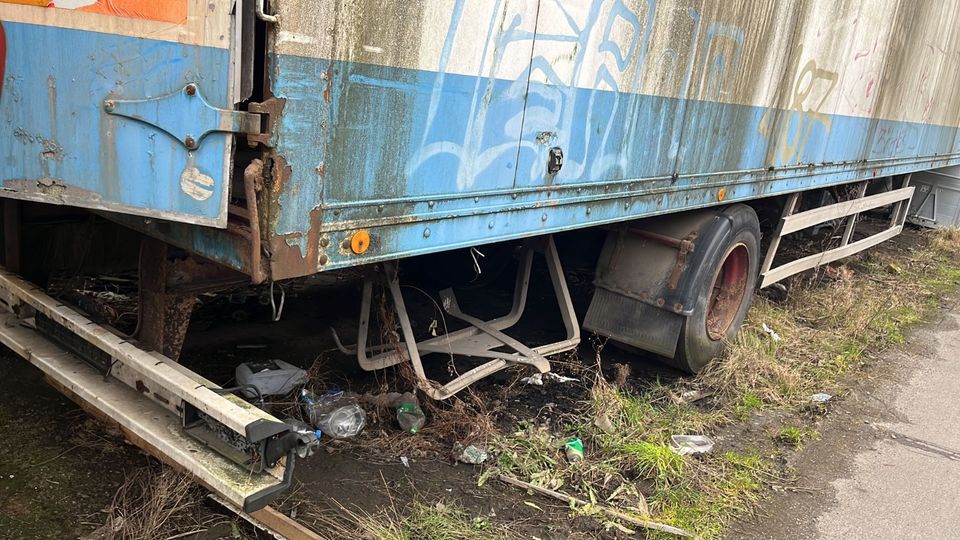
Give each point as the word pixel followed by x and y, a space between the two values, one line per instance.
pixel 481 339
pixel 185 115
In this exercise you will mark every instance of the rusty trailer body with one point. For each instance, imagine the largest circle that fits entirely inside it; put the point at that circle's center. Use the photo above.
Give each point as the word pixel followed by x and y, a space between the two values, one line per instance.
pixel 430 125
pixel 285 138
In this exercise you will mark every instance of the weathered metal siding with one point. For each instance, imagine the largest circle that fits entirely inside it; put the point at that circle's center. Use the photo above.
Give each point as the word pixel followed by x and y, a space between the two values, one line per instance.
pixel 59 145
pixel 427 124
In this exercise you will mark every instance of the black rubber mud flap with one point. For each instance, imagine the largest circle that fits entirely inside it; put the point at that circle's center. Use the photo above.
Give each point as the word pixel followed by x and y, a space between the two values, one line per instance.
pixel 678 285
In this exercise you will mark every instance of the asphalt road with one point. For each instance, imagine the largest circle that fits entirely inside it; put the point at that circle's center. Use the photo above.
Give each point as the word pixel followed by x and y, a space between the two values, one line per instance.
pixel 888 465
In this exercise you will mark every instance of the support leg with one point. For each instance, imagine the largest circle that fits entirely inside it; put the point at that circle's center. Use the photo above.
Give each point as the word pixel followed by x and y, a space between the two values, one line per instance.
pixel 164 314
pixel 482 339
pixel 11 235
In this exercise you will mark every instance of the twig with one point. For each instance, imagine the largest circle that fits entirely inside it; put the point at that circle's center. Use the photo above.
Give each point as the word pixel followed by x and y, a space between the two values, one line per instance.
pixel 188 533
pixel 61 454
pixel 609 511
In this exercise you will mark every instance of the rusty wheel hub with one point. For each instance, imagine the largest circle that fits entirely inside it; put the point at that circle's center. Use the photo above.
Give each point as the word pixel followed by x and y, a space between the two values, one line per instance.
pixel 727 292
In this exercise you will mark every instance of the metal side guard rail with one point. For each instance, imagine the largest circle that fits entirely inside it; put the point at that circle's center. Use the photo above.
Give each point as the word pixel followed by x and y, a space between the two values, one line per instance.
pixel 792 221
pixel 236 450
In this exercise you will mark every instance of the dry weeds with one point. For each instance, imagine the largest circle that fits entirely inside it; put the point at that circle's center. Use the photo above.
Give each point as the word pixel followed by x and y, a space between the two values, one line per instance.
pixel 787 350
pixel 830 320
pixel 157 502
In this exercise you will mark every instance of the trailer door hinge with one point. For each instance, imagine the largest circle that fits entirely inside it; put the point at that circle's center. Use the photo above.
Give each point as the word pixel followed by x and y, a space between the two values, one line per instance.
pixel 188 117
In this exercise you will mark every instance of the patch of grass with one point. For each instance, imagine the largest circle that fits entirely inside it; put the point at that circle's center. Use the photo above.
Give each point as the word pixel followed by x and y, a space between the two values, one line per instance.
pixel 717 489
pixel 829 321
pixel 748 403
pixel 656 462
pixel 796 436
pixel 786 351
pixel 156 502
pixel 414 521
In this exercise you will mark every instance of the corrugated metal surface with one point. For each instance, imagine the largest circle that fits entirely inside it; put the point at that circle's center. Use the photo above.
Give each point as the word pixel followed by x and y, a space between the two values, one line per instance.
pixel 428 123
pixel 936 202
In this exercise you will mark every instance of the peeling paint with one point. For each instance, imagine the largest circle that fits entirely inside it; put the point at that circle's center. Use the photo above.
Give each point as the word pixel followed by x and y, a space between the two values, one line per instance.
pixel 195 184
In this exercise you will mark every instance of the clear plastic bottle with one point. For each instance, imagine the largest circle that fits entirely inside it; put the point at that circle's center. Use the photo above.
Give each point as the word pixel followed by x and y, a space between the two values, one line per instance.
pixel 334 414
pixel 409 414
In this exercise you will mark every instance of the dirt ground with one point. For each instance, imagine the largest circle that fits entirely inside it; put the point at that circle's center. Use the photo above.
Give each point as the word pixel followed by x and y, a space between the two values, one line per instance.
pixel 59 469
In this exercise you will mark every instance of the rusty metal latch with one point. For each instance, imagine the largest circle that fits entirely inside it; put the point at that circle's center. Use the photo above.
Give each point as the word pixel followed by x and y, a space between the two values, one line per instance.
pixel 686 246
pixel 186 116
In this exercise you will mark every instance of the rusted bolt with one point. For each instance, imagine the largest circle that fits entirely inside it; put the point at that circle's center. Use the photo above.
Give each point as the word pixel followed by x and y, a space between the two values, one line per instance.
pixel 660 302
pixel 380 208
pixel 360 242
pixel 430 204
pixel 589 210
pixel 345 244
pixel 191 89
pixel 336 212
pixel 109 105
pixel 543 217
pixel 678 307
pixel 190 142
pixel 323 259
pixel 490 225
pixel 514 195
pixel 426 233
pixel 324 242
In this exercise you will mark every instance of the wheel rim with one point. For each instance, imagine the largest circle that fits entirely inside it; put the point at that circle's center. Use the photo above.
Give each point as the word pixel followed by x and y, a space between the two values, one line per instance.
pixel 727 292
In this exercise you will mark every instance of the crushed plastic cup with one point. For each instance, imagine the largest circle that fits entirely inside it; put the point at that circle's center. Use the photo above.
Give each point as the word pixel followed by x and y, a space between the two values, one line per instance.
pixel 686 445
pixel 472 455
pixel 820 398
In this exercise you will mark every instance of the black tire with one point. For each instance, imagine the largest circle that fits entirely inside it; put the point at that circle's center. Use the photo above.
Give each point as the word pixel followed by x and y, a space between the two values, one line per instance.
pixel 724 284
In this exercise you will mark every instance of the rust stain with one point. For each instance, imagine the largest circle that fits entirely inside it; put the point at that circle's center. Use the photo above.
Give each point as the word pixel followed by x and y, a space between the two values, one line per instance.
pixel 328 77
pixel 286 260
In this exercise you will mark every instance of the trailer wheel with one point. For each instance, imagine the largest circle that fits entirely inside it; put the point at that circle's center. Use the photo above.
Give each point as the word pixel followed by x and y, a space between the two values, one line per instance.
pixel 724 284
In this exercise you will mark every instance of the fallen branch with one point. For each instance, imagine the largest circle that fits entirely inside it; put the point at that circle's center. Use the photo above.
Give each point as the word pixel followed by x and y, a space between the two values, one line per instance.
pixel 609 511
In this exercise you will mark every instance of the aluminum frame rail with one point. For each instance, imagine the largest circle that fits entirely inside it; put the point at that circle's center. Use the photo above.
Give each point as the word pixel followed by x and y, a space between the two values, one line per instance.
pixel 144 393
pixel 791 222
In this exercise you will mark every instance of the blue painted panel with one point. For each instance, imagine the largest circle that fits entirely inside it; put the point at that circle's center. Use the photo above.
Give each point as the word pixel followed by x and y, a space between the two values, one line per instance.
pixel 377 145
pixel 362 154
pixel 356 132
pixel 58 145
